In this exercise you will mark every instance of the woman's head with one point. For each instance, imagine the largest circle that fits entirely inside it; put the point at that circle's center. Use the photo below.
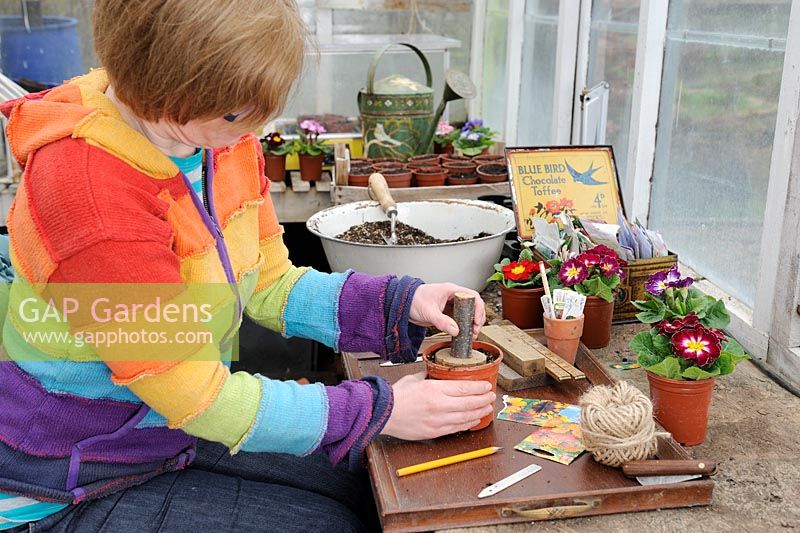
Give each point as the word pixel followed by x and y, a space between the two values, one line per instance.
pixel 228 65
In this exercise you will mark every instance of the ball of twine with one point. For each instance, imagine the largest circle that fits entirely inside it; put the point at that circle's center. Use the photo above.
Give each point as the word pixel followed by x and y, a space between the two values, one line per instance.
pixel 617 424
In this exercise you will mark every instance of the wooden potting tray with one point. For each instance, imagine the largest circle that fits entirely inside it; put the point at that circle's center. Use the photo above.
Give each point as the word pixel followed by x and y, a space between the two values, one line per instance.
pixel 448 497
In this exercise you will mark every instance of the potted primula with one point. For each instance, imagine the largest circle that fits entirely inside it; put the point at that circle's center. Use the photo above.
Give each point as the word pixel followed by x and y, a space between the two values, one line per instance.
pixel 521 289
pixel 683 352
pixel 444 137
pixel 275 150
pixel 474 138
pixel 309 150
pixel 596 273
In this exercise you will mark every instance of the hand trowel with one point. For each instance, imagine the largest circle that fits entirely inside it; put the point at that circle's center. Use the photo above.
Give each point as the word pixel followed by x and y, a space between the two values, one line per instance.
pixel 379 191
pixel 662 472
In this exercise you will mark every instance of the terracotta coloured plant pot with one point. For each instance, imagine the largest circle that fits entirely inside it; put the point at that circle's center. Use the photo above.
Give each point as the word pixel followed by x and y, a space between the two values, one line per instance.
pixel 471 180
pixel 376 160
pixel 485 372
pixel 397 177
pixel 523 306
pixel 492 173
pixel 446 148
pixel 486 159
pixel 598 314
pixel 431 159
pixel 422 163
pixel 430 176
pixel 275 167
pixel 681 407
pixel 359 176
pixel 455 157
pixel 311 167
pixel 388 165
pixel 564 336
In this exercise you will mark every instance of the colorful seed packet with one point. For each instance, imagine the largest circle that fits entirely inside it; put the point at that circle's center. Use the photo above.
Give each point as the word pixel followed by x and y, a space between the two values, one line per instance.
pixel 561 443
pixel 546 413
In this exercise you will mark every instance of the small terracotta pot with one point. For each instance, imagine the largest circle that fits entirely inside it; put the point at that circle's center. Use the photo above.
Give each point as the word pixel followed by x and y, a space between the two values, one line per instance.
pixel 431 159
pixel 523 306
pixel 356 161
pixel 485 372
pixel 446 148
pixel 311 167
pixel 564 336
pixel 397 177
pixel 461 169
pixel 430 176
pixel 275 167
pixel 472 180
pixel 682 407
pixel 388 166
pixel 422 163
pixel 456 157
pixel 376 160
pixel 486 176
pixel 598 314
pixel 359 176
pixel 485 159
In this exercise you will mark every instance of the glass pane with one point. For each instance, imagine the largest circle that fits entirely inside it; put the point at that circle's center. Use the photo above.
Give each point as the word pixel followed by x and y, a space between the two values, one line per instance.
pixel 538 73
pixel 493 84
pixel 612 58
pixel 717 117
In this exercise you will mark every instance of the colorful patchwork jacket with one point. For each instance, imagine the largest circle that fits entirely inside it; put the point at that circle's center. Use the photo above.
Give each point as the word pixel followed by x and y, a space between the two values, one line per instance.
pixel 99 205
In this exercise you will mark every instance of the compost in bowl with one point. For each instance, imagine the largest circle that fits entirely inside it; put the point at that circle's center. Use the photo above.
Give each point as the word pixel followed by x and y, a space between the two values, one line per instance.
pixel 467 263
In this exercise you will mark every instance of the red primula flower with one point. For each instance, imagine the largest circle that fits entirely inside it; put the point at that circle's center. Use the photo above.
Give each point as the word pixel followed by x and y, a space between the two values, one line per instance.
pixel 699 345
pixel 610 266
pixel 521 270
pixel 572 272
pixel 589 259
pixel 665 327
pixel 604 251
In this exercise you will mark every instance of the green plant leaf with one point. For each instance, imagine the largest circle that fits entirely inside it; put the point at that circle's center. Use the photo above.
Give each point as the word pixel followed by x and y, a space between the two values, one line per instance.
pixel 652 311
pixel 697 373
pixel 497 276
pixel 669 367
pixel 716 315
pixel 644 346
pixel 595 286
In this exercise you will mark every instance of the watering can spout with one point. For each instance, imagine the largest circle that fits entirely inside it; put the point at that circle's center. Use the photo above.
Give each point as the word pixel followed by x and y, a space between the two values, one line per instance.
pixel 457 86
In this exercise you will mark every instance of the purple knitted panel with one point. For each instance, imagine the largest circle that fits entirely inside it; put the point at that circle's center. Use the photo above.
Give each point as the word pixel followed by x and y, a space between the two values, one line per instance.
pixel 350 410
pixel 361 318
pixel 47 424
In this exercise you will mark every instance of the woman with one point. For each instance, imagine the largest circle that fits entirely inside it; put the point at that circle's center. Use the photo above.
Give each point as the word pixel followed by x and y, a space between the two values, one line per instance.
pixel 144 214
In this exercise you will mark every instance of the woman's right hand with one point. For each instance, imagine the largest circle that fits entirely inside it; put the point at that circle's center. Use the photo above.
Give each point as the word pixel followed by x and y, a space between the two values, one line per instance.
pixel 429 408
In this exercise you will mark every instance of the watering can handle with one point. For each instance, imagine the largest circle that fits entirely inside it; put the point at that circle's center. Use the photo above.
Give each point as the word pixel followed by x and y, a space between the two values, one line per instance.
pixel 374 65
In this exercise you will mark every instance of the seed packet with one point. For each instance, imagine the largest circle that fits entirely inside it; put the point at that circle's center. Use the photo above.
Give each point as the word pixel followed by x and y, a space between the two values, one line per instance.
pixel 561 443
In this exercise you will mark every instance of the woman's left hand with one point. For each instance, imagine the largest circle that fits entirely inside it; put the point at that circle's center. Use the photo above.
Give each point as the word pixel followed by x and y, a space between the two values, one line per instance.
pixel 433 302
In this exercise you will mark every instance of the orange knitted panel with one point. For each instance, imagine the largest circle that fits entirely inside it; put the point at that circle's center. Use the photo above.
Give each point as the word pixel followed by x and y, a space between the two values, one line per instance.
pixel 236 173
pixel 31 256
pixel 38 122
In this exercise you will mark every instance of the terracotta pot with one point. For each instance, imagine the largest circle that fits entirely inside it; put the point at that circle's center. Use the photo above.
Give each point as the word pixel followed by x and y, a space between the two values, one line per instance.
pixel 422 163
pixel 485 372
pixel 523 306
pixel 564 336
pixel 431 159
pixel 456 157
pixel 446 148
pixel 275 167
pixel 463 169
pixel 485 159
pixel 311 167
pixel 389 165
pixel 359 177
pixel 472 180
pixel 397 177
pixel 487 177
pixel 356 161
pixel 681 407
pixel 430 176
pixel 376 160
pixel 598 314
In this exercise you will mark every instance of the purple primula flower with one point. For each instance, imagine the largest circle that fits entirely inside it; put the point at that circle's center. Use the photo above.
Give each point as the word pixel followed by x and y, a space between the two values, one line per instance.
pixel 680 284
pixel 672 275
pixel 656 283
pixel 474 123
pixel 474 136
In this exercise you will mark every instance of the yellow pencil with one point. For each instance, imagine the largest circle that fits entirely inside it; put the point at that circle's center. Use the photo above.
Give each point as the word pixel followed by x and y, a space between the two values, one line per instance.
pixel 483 452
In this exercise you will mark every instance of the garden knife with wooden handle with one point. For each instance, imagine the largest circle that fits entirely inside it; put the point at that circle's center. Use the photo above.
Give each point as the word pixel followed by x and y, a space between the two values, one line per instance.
pixel 660 472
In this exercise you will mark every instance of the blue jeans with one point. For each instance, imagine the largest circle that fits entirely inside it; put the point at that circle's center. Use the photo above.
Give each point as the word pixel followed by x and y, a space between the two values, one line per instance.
pixel 220 492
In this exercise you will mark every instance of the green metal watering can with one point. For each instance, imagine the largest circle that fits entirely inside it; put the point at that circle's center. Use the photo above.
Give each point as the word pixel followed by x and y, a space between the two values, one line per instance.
pixel 397 116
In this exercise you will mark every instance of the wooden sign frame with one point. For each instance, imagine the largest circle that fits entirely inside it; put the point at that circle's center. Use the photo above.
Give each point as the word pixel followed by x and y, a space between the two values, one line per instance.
pixel 584 175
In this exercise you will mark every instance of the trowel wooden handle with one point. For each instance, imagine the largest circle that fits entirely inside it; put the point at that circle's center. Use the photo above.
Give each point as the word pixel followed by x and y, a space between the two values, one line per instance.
pixel 464 315
pixel 668 467
pixel 379 190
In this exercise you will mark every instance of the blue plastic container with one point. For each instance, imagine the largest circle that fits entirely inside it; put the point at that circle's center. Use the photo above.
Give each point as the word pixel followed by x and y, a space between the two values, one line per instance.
pixel 49 54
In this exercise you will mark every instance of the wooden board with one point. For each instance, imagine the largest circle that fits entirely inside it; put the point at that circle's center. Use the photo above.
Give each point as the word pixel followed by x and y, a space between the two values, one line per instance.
pixel 447 497
pixel 517 353
pixel 511 380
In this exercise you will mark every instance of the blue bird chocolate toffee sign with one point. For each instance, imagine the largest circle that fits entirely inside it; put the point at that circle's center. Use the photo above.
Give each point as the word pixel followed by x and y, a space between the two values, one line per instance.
pixel 579 180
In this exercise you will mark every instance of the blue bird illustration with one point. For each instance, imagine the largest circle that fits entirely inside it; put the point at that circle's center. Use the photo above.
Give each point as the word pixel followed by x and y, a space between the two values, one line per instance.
pixel 585 177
